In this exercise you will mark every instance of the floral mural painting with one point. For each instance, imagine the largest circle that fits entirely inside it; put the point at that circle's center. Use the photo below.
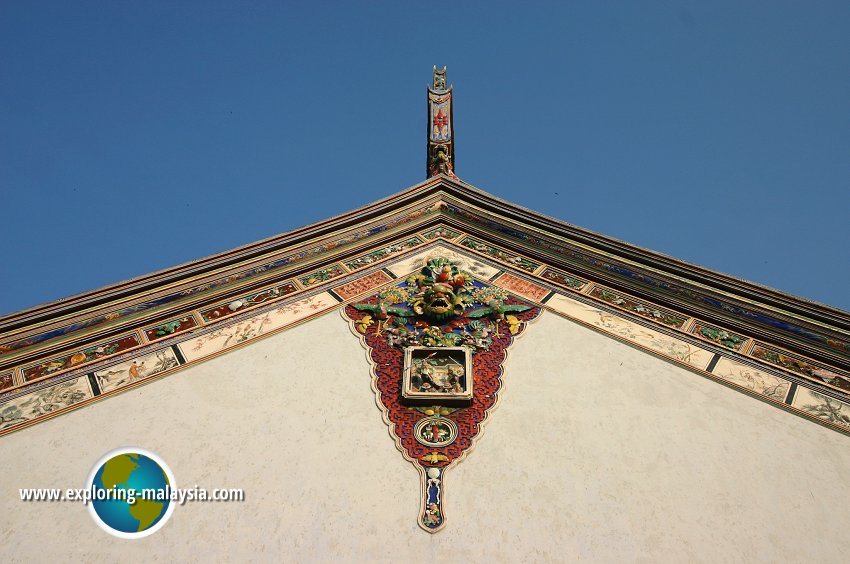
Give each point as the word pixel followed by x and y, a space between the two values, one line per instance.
pixel 747 377
pixel 244 330
pixel 44 402
pixel 802 366
pixel 823 407
pixel 632 332
pixel 638 307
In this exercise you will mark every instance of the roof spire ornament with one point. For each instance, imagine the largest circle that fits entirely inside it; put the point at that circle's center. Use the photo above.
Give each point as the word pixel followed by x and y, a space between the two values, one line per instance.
pixel 441 150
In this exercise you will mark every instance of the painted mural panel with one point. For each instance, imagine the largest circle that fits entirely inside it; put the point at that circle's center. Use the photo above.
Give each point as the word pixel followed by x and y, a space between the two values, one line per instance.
pixel 563 279
pixel 801 365
pixel 638 334
pixel 135 370
pixel 644 309
pixel 750 378
pixel 822 407
pixel 233 334
pixel 247 301
pixel 44 402
pixel 80 357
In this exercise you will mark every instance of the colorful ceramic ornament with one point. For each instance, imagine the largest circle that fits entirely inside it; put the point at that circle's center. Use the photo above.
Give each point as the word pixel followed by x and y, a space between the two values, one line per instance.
pixel 437 365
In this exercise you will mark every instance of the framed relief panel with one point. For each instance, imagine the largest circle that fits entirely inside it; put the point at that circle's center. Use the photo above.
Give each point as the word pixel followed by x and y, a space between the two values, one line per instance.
pixel 437 373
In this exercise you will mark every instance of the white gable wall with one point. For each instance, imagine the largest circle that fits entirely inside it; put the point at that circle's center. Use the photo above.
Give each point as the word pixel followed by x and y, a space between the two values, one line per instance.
pixel 598 451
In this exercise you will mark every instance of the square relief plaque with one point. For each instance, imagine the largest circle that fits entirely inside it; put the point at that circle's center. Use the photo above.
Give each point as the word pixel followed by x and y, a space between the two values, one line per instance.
pixel 437 373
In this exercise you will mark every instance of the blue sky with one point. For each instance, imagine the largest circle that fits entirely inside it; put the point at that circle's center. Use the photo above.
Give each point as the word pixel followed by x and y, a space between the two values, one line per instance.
pixel 135 136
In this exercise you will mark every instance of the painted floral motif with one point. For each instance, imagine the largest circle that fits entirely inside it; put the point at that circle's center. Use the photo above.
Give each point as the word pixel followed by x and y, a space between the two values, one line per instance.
pixel 668 346
pixel 633 332
pixel 135 370
pixel 802 366
pixel 170 327
pixel 720 336
pixel 747 377
pixel 822 407
pixel 362 285
pixel 93 353
pixel 231 335
pixel 563 279
pixel 306 306
pixel 641 308
pixel 382 253
pixel 500 254
pixel 235 333
pixel 321 275
pixel 44 402
pixel 248 301
pixel 442 231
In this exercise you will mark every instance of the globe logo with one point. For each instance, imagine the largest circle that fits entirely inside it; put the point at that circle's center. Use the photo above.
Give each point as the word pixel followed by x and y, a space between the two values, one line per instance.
pixel 130 492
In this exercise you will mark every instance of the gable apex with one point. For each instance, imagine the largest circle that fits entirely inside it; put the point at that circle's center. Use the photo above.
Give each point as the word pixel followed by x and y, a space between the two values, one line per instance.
pixel 554 264
pixel 442 199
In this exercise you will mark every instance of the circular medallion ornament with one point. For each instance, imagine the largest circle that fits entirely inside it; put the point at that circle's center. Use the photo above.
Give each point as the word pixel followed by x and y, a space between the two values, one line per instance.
pixel 435 431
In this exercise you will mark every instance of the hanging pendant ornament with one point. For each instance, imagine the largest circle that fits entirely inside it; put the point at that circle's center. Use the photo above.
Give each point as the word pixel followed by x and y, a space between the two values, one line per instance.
pixel 436 343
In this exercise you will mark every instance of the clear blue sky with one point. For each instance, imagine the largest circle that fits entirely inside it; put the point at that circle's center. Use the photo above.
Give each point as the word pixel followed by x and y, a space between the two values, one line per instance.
pixel 135 136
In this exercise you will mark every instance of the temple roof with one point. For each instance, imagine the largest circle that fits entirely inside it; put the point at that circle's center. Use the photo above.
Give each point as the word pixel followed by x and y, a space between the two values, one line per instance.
pixel 542 259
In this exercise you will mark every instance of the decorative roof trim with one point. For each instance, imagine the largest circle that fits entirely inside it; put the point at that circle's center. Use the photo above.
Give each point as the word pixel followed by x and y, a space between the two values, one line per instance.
pixel 816 329
pixel 780 377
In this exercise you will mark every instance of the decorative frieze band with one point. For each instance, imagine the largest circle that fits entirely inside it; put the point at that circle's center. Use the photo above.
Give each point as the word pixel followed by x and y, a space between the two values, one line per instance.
pixel 38 390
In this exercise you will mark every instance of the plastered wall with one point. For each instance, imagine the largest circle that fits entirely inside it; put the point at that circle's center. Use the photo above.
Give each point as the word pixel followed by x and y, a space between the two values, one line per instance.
pixel 597 452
